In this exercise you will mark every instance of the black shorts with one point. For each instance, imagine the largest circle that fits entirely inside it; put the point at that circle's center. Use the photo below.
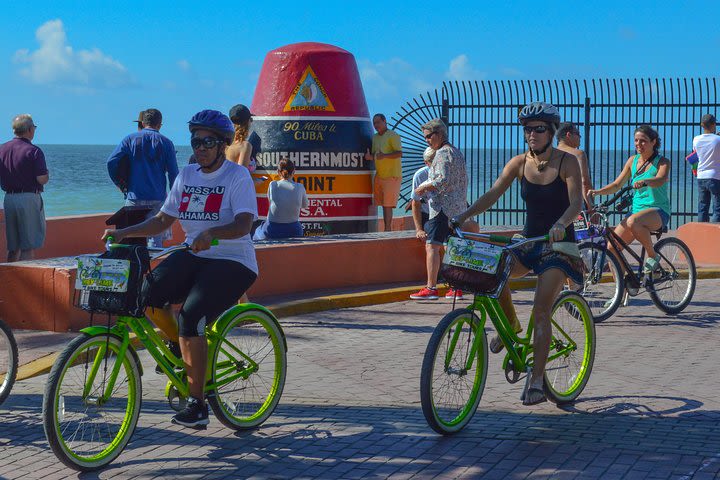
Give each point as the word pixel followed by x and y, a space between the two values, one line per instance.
pixel 437 229
pixel 205 286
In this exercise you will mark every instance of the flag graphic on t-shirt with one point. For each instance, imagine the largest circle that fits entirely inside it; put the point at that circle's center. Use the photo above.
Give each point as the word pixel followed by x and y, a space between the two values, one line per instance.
pixel 201 203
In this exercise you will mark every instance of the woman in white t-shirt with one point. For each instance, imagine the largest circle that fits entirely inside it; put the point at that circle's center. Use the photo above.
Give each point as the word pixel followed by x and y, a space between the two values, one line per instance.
pixel 287 198
pixel 213 199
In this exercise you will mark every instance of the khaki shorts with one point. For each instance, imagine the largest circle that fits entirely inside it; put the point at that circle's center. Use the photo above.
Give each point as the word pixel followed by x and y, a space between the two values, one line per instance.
pixel 24 221
pixel 386 191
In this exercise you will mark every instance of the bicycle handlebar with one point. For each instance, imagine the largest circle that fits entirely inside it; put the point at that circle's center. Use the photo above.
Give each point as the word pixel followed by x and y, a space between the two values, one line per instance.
pixel 161 252
pixel 614 198
pixel 508 241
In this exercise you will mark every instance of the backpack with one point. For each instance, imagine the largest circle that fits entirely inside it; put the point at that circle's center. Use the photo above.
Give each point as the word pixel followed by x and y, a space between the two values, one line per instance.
pixel 129 302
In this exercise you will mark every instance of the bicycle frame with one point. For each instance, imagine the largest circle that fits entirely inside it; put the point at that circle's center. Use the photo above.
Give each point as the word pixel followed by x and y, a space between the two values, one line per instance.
pixel 618 244
pixel 238 364
pixel 518 348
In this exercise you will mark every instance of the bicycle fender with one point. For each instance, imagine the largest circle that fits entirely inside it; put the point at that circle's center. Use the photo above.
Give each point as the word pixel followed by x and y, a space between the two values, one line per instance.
pixel 235 310
pixel 98 331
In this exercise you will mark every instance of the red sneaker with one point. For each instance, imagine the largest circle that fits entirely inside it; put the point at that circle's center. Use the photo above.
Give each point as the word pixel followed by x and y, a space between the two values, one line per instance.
pixel 425 293
pixel 456 294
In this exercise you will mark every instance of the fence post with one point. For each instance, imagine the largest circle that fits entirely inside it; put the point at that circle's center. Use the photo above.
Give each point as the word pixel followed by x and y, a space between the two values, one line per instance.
pixel 587 125
pixel 445 112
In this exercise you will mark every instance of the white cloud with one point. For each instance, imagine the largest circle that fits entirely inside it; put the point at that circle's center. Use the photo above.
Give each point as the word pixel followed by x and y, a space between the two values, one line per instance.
pixel 56 63
pixel 392 78
pixel 461 69
pixel 184 65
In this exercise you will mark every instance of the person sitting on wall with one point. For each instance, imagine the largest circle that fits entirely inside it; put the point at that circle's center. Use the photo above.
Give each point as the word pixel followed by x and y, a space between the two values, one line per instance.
pixel 287 198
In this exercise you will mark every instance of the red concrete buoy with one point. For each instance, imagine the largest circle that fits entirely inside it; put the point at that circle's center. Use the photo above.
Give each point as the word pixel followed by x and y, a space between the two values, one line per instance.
pixel 309 106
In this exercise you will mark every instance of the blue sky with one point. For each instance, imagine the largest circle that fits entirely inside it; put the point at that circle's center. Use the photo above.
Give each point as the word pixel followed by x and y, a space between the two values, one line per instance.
pixel 84 69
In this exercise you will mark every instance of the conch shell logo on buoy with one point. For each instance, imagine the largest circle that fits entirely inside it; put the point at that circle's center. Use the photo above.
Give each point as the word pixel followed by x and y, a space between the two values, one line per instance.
pixel 309 94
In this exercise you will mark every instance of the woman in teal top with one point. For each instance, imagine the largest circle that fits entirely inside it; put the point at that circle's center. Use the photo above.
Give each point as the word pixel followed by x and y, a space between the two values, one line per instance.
pixel 648 173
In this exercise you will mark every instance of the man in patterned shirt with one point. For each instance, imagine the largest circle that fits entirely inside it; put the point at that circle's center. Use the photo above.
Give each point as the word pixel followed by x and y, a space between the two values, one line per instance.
pixel 447 180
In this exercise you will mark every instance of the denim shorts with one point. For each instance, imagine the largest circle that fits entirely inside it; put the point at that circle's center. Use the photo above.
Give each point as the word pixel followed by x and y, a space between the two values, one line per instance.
pixel 540 257
pixel 437 229
pixel 664 217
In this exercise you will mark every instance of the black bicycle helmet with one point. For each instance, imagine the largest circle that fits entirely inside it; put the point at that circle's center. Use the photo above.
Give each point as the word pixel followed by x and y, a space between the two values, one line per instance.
pixel 542 111
pixel 214 121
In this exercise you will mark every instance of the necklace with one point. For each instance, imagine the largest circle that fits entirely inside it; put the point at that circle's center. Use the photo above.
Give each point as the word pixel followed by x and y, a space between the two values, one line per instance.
pixel 541 165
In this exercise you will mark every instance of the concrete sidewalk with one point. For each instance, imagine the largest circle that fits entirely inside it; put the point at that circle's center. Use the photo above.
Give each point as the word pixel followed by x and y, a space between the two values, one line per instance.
pixel 351 409
pixel 38 349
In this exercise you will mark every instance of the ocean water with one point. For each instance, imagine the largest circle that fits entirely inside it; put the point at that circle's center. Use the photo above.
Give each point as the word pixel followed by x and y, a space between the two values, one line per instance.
pixel 79 182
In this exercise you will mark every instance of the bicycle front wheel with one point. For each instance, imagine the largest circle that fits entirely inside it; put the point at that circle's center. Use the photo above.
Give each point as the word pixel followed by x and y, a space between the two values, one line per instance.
pixel 8 361
pixel 572 349
pixel 673 284
pixel 454 371
pixel 603 282
pixel 249 366
pixel 86 428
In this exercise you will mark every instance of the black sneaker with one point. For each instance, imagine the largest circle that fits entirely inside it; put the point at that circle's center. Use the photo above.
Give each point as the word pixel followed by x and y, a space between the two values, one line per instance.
pixel 175 350
pixel 194 415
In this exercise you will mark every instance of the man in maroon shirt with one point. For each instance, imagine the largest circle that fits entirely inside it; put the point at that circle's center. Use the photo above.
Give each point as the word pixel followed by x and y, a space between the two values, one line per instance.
pixel 23 173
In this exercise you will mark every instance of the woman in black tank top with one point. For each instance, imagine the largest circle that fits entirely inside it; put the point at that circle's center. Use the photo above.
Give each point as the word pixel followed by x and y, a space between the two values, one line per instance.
pixel 550 185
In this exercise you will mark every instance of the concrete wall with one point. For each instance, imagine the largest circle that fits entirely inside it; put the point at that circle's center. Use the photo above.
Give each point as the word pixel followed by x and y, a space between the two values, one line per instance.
pixel 39 294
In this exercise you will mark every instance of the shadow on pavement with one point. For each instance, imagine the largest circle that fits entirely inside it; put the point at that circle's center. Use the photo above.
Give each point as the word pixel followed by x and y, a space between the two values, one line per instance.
pixel 340 441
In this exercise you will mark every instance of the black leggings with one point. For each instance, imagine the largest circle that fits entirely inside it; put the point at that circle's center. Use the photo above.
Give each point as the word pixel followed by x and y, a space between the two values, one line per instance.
pixel 205 286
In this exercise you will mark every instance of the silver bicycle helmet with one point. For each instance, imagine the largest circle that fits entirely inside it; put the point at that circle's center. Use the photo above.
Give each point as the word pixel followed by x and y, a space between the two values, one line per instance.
pixel 542 111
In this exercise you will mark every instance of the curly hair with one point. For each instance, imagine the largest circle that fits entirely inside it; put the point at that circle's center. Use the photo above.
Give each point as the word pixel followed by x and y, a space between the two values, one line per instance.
pixel 241 132
pixel 652 134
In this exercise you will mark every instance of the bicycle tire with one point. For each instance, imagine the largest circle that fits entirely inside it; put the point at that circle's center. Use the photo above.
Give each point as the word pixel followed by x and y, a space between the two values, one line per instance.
pixel 571 317
pixel 66 430
pixel 594 290
pixel 436 378
pixel 666 280
pixel 246 403
pixel 8 361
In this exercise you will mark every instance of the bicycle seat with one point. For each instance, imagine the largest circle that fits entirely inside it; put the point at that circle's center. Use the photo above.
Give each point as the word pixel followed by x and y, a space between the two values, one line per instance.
pixel 659 231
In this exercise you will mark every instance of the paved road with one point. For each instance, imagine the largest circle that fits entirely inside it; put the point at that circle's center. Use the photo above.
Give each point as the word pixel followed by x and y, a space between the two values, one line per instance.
pixel 351 409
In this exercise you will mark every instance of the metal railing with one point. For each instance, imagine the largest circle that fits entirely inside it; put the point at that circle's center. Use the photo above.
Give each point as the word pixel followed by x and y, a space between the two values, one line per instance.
pixel 482 122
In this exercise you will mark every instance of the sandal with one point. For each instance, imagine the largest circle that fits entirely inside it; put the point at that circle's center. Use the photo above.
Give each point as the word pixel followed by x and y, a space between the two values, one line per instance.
pixel 533 396
pixel 496 345
pixel 651 264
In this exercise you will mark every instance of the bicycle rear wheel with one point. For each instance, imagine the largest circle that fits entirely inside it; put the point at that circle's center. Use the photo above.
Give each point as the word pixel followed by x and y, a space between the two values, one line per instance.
pixel 572 349
pixel 250 365
pixel 85 431
pixel 673 285
pixel 454 371
pixel 8 361
pixel 603 283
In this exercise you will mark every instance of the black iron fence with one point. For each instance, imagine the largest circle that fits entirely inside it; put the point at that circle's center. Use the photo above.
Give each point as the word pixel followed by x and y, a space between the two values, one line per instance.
pixel 482 122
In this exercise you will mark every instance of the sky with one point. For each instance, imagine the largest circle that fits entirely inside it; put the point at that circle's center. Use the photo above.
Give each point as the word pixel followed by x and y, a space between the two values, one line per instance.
pixel 85 69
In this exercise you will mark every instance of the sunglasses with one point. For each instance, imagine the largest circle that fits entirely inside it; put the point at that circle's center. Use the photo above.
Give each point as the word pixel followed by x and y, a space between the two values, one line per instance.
pixel 537 129
pixel 429 135
pixel 207 142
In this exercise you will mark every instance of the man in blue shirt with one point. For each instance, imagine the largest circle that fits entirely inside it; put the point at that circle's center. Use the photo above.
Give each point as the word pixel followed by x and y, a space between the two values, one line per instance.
pixel 138 167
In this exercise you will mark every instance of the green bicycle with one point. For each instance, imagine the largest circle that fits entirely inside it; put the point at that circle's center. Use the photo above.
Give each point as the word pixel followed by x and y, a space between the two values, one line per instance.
pixel 454 368
pixel 93 395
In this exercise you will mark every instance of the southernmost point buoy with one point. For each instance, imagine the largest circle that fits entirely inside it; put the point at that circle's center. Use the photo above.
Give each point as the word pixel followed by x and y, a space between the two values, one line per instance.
pixel 309 106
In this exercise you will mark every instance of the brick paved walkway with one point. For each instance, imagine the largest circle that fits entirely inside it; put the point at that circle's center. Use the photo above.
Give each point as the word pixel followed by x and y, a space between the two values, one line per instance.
pixel 351 409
